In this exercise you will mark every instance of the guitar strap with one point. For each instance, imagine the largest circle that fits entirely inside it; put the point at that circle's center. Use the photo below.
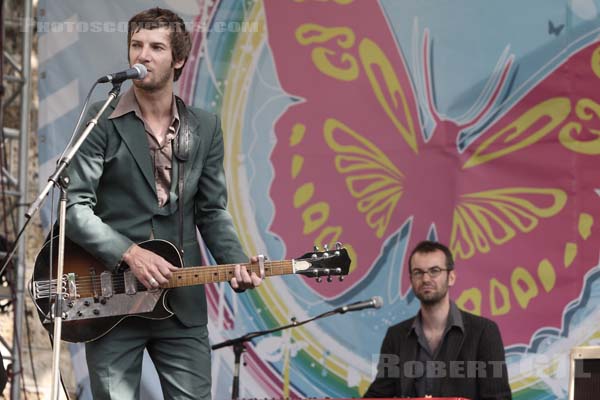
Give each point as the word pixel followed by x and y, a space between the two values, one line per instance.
pixel 182 153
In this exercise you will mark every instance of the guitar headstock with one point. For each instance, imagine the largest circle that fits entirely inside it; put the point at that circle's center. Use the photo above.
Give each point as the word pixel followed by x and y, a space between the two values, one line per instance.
pixel 326 263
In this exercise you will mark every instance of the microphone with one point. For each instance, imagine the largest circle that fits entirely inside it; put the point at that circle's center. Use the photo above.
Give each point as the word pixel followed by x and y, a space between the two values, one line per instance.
pixel 138 71
pixel 373 302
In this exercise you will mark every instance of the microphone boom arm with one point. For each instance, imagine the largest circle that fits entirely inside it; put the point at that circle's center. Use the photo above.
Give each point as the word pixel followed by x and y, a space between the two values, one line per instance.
pixel 238 343
pixel 251 335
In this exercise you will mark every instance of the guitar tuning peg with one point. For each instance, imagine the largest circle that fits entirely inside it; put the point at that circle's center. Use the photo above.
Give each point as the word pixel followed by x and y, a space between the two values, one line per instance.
pixel 338 245
pixel 316 248
pixel 325 250
pixel 319 279
pixel 341 278
pixel 329 278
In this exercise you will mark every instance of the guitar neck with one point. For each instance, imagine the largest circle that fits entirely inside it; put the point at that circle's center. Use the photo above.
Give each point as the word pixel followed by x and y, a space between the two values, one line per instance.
pixel 190 276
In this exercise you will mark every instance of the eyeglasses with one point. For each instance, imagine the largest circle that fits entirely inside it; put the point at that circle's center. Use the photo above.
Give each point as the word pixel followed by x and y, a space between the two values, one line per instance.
pixel 433 272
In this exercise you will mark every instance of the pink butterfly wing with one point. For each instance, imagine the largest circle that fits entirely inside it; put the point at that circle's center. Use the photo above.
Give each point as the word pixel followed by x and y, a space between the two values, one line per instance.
pixel 319 49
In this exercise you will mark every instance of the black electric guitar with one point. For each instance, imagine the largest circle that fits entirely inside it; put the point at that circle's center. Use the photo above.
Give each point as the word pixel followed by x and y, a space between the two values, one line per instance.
pixel 96 300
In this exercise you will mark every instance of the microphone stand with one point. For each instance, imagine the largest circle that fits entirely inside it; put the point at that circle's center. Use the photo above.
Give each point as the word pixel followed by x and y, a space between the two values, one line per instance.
pixel 239 345
pixel 59 179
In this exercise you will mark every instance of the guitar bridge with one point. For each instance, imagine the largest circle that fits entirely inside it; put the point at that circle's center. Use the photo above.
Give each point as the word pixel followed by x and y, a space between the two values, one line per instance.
pixel 45 289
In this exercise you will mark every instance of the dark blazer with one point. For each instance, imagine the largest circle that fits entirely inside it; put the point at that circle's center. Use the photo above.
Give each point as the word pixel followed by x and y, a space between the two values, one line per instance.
pixel 112 199
pixel 480 341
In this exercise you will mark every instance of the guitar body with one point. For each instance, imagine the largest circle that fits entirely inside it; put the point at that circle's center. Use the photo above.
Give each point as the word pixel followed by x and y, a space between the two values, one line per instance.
pixel 88 313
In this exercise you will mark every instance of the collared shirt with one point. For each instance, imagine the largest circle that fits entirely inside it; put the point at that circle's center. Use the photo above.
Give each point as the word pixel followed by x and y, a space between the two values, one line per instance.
pixel 159 143
pixel 424 384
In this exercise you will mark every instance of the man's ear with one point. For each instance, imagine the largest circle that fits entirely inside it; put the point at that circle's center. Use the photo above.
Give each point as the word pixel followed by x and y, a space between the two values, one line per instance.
pixel 178 64
pixel 451 278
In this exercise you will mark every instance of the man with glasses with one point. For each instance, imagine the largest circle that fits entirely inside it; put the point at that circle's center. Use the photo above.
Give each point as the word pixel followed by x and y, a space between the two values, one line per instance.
pixel 442 351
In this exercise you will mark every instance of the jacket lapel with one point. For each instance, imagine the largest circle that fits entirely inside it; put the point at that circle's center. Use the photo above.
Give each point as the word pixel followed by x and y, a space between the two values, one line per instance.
pixel 133 134
pixel 453 346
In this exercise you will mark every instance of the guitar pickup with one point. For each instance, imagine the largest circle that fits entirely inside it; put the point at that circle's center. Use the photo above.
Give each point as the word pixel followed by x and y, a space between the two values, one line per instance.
pixel 71 285
pixel 130 282
pixel 106 284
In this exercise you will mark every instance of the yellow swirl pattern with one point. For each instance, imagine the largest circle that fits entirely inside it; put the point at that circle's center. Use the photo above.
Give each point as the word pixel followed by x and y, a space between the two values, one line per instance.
pixel 388 90
pixel 595 62
pixel 371 177
pixel 523 131
pixel 495 216
pixel 586 110
pixel 331 61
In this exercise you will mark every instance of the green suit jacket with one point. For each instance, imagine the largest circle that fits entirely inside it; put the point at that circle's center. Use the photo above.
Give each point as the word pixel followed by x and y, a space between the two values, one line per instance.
pixel 112 199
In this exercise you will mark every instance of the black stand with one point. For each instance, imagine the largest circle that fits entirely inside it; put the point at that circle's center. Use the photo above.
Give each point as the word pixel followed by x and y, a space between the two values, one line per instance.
pixel 59 179
pixel 239 345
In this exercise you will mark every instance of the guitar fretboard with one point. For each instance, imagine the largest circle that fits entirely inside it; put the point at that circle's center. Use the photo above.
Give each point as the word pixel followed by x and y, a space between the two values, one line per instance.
pixel 221 273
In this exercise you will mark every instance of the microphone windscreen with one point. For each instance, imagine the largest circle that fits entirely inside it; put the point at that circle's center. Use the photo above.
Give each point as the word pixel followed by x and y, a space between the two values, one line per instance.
pixel 141 69
pixel 377 301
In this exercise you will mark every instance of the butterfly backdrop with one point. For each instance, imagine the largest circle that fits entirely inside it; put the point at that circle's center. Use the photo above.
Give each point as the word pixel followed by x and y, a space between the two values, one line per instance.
pixel 379 124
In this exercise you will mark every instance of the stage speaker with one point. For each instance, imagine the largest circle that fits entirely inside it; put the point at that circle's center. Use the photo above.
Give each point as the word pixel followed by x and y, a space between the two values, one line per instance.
pixel 584 382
